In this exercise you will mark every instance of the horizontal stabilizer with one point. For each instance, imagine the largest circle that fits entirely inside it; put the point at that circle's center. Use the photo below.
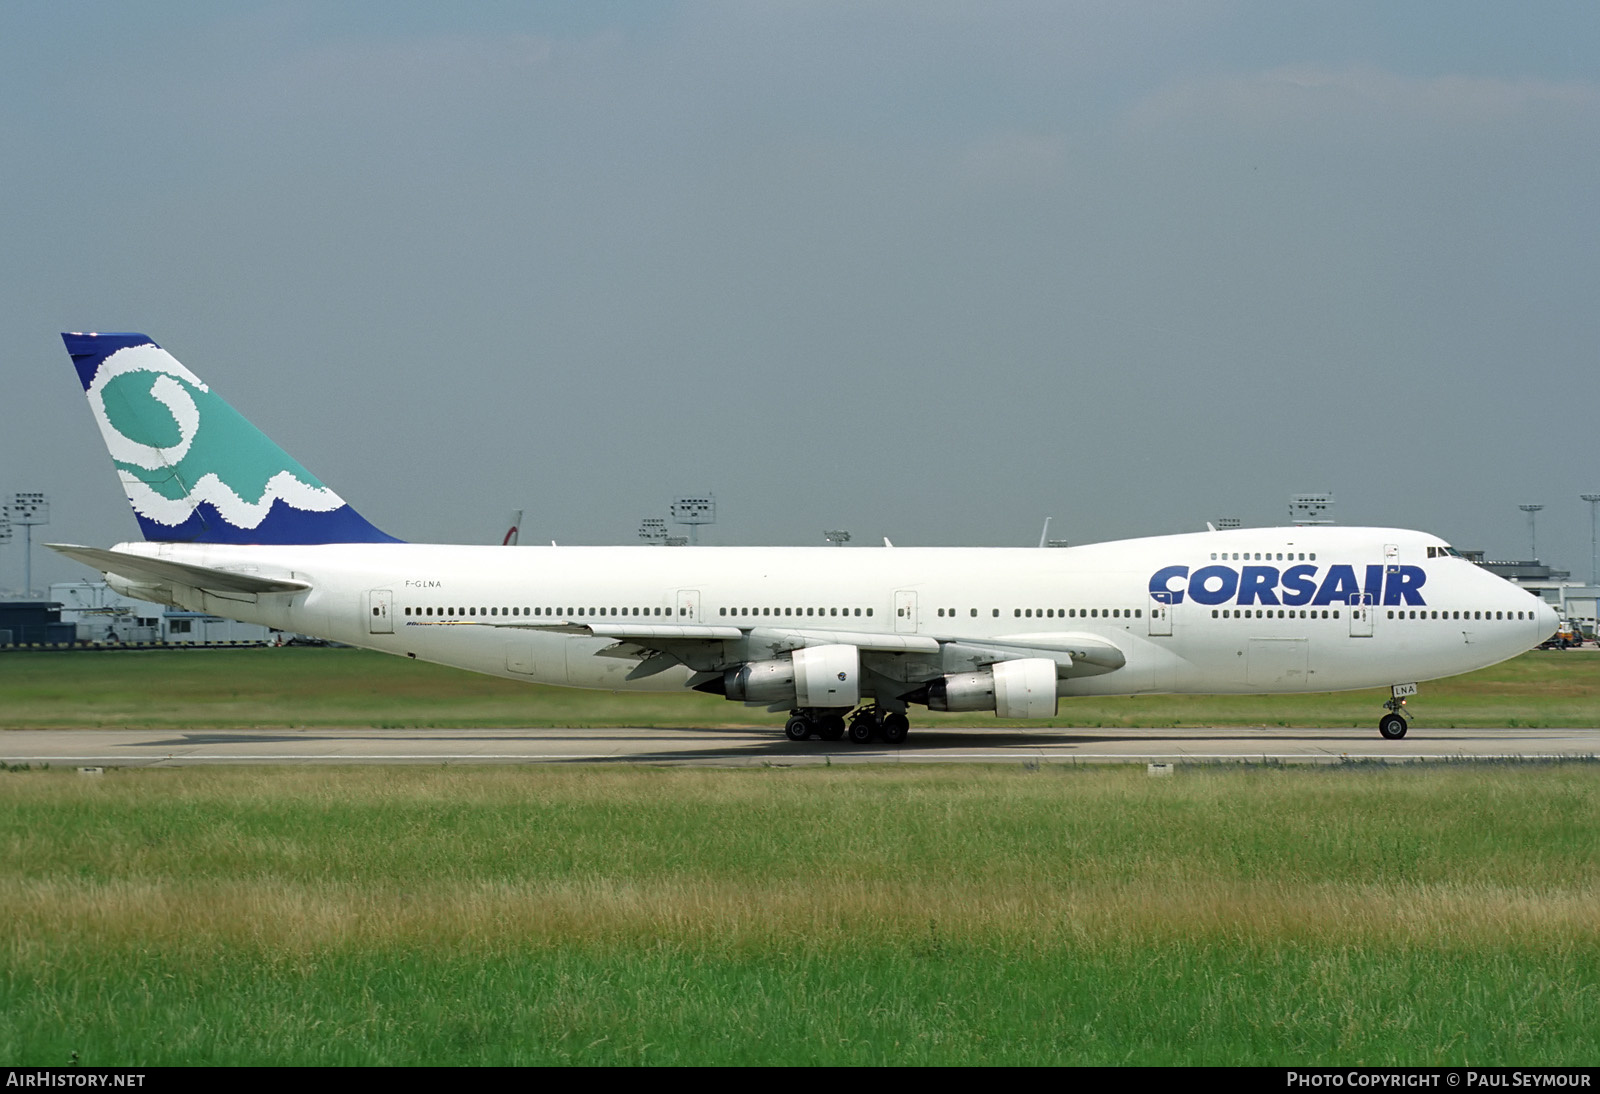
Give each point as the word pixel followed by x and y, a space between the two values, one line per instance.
pixel 161 571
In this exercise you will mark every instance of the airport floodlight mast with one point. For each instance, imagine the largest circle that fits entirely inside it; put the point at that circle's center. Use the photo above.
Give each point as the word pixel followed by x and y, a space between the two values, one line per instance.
pixel 836 536
pixel 1594 555
pixel 694 512
pixel 1307 509
pixel 28 509
pixel 1224 523
pixel 653 530
pixel 1533 538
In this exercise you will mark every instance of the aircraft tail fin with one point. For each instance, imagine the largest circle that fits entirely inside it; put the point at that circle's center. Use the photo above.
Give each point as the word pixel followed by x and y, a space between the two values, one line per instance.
pixel 194 469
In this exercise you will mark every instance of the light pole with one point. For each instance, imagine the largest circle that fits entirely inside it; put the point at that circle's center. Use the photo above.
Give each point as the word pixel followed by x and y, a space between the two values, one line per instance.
pixel 1594 556
pixel 28 509
pixel 694 512
pixel 1533 539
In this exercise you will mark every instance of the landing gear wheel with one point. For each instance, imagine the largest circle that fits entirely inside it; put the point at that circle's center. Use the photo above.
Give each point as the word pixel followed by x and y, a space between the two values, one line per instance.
pixel 1392 726
pixel 797 728
pixel 895 728
pixel 862 728
pixel 830 727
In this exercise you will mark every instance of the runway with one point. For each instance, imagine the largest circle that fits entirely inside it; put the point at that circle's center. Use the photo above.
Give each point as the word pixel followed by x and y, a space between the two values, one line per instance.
pixel 768 747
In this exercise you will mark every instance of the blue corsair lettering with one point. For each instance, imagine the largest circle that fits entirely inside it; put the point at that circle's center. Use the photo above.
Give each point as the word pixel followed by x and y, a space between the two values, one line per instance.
pixel 1402 586
pixel 1339 587
pixel 1294 587
pixel 1299 586
pixel 1161 590
pixel 1256 585
pixel 1213 585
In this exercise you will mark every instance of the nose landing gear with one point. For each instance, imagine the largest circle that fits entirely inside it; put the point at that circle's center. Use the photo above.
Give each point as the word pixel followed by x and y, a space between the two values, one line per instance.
pixel 1393 726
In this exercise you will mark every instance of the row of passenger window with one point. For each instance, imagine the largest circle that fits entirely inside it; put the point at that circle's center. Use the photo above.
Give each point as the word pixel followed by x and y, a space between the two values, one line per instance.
pixel 1459 615
pixel 791 611
pixel 564 613
pixel 1055 613
pixel 1263 556
pixel 1246 613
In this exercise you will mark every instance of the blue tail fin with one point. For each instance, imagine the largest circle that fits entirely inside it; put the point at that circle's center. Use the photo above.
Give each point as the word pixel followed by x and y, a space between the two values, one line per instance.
pixel 194 469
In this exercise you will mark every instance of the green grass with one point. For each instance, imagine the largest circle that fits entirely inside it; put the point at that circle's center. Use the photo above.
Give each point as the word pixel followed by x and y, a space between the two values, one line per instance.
pixel 344 688
pixel 1442 915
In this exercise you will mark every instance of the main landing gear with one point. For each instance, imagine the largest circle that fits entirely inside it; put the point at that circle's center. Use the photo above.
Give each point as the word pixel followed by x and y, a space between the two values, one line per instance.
pixel 864 725
pixel 827 724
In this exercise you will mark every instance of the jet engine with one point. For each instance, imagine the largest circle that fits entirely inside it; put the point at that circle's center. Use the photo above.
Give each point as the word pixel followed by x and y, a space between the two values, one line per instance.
pixel 814 676
pixel 1025 688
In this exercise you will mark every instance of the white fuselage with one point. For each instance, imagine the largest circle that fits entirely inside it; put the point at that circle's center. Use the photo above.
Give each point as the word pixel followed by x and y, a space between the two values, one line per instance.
pixel 1251 610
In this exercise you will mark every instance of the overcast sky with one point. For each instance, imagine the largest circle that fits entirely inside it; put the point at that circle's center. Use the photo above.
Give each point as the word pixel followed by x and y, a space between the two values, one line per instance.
pixel 932 271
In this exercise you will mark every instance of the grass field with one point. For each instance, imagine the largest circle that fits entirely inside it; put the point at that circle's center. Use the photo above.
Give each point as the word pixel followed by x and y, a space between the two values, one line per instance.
pixel 241 688
pixel 1443 915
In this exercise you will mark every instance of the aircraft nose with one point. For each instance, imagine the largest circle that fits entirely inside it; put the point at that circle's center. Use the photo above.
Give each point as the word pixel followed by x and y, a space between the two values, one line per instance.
pixel 1548 619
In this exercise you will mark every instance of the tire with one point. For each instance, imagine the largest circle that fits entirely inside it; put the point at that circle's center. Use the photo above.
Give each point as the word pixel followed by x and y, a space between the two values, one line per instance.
pixel 797 728
pixel 861 730
pixel 895 728
pixel 831 727
pixel 1392 727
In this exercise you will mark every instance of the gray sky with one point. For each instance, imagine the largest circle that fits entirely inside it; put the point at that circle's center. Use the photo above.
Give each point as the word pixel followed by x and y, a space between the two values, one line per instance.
pixel 925 270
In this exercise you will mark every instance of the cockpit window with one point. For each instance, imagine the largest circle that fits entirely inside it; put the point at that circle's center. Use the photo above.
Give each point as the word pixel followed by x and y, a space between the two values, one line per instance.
pixel 1445 551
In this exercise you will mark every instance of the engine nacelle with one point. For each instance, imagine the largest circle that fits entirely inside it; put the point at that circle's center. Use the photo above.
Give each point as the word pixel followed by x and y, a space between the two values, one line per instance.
pixel 760 682
pixel 815 676
pixel 962 691
pixel 827 676
pixel 1024 688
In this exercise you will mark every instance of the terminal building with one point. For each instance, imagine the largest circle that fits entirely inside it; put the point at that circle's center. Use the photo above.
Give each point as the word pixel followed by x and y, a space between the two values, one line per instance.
pixel 92 613
pixel 103 615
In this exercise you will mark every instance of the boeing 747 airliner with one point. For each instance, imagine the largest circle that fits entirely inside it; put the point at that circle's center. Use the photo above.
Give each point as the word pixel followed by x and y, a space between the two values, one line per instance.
pixel 845 641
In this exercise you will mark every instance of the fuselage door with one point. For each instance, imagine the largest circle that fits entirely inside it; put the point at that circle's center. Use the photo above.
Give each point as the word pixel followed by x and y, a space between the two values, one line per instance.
pixel 905 611
pixel 380 612
pixel 688 606
pixel 1361 615
pixel 1161 613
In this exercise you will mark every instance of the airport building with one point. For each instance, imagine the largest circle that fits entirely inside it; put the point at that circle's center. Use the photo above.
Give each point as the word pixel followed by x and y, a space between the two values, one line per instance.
pixel 100 614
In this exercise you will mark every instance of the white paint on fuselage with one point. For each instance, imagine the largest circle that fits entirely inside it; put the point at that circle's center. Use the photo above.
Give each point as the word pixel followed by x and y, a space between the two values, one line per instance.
pixel 985 593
